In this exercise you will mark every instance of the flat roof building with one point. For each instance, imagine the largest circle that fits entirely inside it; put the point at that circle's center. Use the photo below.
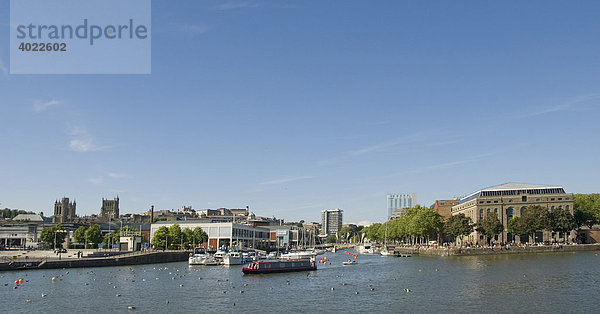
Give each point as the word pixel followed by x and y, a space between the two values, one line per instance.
pixel 510 200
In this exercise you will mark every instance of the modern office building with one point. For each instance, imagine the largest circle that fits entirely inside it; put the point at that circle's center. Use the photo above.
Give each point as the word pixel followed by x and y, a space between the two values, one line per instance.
pixel 400 202
pixel 331 221
pixel 510 200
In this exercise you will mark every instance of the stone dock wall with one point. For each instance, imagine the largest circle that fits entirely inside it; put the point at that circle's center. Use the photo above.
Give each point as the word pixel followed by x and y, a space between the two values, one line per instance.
pixel 119 260
pixel 510 250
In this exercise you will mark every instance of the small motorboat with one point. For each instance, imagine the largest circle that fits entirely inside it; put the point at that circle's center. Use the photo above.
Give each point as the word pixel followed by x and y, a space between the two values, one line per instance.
pixel 349 262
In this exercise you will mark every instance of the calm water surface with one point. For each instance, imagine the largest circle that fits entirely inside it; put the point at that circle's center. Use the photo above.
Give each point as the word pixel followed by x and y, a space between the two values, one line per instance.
pixel 568 282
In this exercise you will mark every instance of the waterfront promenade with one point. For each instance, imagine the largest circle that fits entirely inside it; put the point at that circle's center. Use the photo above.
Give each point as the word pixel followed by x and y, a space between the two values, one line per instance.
pixel 22 260
pixel 512 249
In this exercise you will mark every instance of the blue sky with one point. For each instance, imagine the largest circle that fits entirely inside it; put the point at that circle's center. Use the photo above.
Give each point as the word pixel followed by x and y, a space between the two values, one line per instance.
pixel 292 107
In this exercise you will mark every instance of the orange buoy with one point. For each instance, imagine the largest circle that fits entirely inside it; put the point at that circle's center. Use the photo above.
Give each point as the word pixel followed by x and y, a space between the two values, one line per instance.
pixel 17 282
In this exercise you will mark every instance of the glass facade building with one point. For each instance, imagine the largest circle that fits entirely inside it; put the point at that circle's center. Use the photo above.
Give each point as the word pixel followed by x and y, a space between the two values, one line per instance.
pixel 400 201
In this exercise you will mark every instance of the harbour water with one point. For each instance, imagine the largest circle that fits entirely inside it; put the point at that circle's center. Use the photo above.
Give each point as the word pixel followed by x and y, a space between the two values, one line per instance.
pixel 559 282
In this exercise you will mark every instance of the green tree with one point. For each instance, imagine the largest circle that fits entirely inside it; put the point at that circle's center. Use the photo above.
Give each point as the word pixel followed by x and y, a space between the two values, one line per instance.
pixel 79 234
pixel 586 209
pixel 458 226
pixel 94 235
pixel 562 221
pixel 110 239
pixel 372 232
pixel 515 226
pixel 422 223
pixel 175 236
pixel 346 233
pixel 490 226
pixel 331 239
pixel 8 213
pixel 188 237
pixel 535 218
pixel 53 235
pixel 199 236
pixel 159 237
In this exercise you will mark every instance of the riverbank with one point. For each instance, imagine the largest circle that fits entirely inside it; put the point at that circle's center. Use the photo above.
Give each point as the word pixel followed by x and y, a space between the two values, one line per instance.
pixel 457 251
pixel 15 260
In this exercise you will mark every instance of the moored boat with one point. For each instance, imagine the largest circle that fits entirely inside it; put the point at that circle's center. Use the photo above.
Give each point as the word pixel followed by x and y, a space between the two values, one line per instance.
pixel 201 257
pixel 279 266
pixel 298 255
pixel 365 249
pixel 233 258
pixel 387 252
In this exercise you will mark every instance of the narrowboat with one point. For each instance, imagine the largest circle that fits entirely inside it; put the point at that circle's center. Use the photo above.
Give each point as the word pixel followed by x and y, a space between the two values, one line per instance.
pixel 279 266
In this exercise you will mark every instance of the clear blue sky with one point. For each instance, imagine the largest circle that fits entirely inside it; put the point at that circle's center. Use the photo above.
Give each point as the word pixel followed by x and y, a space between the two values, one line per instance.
pixel 292 107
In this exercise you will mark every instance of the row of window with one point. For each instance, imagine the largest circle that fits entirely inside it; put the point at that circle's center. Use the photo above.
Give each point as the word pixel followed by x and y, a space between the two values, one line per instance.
pixel 524 199
pixel 518 192
pixel 510 211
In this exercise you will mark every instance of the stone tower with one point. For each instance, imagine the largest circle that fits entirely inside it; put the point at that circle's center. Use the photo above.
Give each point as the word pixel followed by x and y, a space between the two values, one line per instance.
pixel 64 211
pixel 110 208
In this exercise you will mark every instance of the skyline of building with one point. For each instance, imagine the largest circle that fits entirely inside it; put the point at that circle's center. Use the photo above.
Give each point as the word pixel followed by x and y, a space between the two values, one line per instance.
pixel 399 202
pixel 332 220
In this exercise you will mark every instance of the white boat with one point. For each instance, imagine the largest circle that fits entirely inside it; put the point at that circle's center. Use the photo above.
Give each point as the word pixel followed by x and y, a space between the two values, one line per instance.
pixel 219 256
pixel 349 262
pixel 365 249
pixel 316 251
pixel 233 258
pixel 201 257
pixel 296 255
pixel 386 252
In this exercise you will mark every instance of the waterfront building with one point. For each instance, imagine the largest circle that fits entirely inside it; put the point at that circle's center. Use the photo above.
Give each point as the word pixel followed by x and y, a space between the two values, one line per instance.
pixel 331 221
pixel 23 231
pixel 444 207
pixel 110 208
pixel 290 236
pixel 510 200
pixel 313 227
pixel 64 211
pixel 400 202
pixel 223 234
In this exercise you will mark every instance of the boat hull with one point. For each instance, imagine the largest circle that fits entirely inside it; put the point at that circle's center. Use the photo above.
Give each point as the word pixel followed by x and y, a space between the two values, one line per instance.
pixel 280 266
pixel 280 270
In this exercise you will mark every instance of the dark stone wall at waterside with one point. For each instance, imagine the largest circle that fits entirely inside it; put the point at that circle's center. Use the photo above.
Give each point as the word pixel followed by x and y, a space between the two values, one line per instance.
pixel 122 260
pixel 509 250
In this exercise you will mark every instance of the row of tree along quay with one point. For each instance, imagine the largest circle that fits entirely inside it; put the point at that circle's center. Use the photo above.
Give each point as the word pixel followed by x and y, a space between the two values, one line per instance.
pixel 174 238
pixel 90 237
pixel 420 225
